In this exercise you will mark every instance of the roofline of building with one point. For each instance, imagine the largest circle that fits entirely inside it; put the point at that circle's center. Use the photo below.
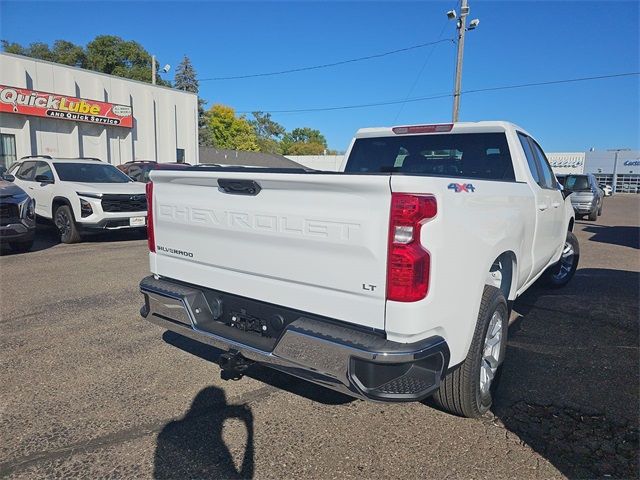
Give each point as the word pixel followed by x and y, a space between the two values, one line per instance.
pixel 96 73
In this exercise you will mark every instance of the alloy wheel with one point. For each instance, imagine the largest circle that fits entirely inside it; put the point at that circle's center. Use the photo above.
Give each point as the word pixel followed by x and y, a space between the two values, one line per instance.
pixel 491 352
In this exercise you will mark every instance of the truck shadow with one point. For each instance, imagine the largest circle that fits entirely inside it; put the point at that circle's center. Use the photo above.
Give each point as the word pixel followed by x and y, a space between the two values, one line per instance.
pixel 624 236
pixel 569 387
pixel 193 447
pixel 263 374
pixel 47 237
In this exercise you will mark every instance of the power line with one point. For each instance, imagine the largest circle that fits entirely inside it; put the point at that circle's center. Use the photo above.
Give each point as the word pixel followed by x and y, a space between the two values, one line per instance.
pixel 424 65
pixel 328 65
pixel 445 95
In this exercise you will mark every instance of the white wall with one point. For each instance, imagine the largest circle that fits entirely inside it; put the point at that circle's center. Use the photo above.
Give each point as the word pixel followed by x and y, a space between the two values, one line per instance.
pixel 567 162
pixel 329 163
pixel 158 112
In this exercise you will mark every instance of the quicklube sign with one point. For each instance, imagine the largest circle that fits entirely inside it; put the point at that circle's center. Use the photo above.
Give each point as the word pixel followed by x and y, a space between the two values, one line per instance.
pixel 51 105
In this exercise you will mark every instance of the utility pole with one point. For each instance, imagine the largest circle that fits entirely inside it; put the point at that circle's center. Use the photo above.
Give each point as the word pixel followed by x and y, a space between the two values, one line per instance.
pixel 461 26
pixel 153 69
pixel 614 182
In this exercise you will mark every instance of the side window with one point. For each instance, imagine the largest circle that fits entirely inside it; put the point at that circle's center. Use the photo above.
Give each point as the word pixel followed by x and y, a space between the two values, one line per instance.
pixel 26 171
pixel 547 174
pixel 43 168
pixel 531 160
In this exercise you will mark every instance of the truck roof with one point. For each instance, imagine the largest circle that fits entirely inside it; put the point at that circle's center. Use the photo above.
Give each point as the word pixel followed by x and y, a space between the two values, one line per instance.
pixel 458 127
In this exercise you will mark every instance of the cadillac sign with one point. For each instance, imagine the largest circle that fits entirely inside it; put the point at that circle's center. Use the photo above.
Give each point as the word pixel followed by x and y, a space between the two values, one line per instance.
pixel 52 105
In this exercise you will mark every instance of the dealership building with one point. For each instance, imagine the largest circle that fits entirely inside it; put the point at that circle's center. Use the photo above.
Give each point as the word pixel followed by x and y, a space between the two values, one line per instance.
pixel 52 109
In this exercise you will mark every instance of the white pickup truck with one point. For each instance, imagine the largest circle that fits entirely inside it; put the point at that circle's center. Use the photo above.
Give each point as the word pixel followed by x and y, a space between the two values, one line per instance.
pixel 389 281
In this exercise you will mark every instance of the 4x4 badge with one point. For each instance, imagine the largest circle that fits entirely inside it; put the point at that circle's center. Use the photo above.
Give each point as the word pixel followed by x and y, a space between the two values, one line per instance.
pixel 462 187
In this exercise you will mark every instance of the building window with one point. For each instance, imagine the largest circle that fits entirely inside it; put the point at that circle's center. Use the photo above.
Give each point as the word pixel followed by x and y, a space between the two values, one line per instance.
pixel 180 155
pixel 628 183
pixel 7 150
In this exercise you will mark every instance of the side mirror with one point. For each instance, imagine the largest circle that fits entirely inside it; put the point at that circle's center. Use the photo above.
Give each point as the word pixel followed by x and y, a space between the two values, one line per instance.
pixel 43 179
pixel 8 177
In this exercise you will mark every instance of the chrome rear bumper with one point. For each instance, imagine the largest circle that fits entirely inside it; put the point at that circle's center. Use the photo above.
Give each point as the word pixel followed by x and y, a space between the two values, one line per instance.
pixel 346 359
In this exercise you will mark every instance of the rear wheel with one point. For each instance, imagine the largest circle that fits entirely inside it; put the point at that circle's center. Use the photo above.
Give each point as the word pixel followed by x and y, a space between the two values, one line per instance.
pixel 468 389
pixel 66 225
pixel 560 273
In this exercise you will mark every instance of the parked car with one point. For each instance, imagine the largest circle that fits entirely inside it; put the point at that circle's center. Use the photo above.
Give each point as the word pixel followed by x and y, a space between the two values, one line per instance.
pixel 586 195
pixel 388 282
pixel 140 169
pixel 17 217
pixel 607 190
pixel 81 195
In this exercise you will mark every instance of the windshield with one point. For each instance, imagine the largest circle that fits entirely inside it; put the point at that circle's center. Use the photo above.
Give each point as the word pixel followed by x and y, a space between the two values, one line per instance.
pixel 90 173
pixel 468 155
pixel 577 182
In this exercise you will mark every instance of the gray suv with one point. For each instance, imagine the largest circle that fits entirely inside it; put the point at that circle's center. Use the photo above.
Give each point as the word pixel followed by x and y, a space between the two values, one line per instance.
pixel 585 194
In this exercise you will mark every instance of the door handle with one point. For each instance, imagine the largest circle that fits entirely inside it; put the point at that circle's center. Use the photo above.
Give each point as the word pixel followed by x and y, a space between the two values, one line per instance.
pixel 542 207
pixel 555 204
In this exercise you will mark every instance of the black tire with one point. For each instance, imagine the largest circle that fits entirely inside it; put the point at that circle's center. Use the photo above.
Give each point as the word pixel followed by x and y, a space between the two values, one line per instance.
pixel 554 276
pixel 593 216
pixel 600 209
pixel 460 392
pixel 21 247
pixel 66 225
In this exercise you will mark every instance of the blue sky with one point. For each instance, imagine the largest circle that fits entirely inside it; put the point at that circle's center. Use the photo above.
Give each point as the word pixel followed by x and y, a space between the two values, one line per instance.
pixel 516 42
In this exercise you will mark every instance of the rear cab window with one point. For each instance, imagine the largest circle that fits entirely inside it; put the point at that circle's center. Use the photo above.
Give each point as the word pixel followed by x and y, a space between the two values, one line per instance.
pixel 465 155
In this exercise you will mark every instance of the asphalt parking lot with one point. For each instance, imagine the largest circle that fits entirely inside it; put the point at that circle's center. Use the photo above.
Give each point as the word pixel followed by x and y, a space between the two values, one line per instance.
pixel 89 389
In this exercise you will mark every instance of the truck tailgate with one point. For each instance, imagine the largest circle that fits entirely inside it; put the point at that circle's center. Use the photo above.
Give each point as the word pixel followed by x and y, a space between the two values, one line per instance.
pixel 312 242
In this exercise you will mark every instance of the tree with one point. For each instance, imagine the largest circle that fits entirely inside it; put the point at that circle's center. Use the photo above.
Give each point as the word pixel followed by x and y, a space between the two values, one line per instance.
pixel 123 58
pixel 230 131
pixel 269 132
pixel 105 53
pixel 69 53
pixel 187 80
pixel 304 141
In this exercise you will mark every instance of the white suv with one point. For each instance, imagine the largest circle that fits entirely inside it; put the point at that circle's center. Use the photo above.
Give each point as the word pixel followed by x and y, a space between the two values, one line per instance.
pixel 81 195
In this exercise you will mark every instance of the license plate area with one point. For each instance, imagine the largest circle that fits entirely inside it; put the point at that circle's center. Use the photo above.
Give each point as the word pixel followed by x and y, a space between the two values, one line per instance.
pixel 137 221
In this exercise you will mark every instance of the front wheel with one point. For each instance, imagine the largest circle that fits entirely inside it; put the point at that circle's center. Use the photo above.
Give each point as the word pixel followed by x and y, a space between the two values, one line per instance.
pixel 560 273
pixel 468 389
pixel 66 225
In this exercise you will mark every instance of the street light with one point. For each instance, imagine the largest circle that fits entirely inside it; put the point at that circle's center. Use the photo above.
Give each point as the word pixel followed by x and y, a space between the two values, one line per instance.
pixel 461 26
pixel 165 69
pixel 614 183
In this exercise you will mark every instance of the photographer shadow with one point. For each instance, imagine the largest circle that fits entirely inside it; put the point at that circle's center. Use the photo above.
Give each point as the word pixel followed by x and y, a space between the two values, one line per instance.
pixel 193 447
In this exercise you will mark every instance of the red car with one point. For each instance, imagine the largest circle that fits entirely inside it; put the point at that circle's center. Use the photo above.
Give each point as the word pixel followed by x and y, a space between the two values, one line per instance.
pixel 139 170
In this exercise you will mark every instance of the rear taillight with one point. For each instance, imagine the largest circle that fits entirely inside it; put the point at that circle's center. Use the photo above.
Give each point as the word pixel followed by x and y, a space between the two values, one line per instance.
pixel 150 233
pixel 408 263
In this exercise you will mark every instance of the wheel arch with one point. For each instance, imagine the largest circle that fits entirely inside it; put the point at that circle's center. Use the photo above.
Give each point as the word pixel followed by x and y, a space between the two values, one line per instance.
pixel 502 273
pixel 58 202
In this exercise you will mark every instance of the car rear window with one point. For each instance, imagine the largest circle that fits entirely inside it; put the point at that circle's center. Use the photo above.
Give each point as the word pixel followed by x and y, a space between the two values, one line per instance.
pixel 577 182
pixel 90 173
pixel 468 155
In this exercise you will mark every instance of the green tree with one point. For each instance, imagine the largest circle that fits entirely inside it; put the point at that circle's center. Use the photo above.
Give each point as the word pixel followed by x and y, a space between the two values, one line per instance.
pixel 186 79
pixel 123 58
pixel 105 53
pixel 69 53
pixel 231 131
pixel 304 141
pixel 268 131
pixel 37 50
